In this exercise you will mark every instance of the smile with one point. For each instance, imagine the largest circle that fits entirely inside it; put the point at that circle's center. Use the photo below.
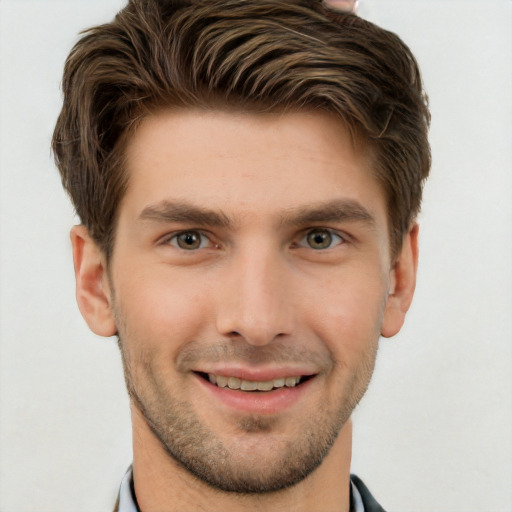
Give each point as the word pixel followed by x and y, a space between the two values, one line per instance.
pixel 249 385
pixel 244 391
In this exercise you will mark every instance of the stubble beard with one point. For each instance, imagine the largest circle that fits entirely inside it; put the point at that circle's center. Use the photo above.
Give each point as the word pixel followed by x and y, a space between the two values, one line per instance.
pixel 225 466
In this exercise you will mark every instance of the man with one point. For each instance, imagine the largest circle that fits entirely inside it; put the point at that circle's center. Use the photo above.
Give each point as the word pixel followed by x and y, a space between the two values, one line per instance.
pixel 247 175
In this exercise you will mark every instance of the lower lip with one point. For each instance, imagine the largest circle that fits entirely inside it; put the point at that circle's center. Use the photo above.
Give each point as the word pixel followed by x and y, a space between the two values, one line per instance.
pixel 254 402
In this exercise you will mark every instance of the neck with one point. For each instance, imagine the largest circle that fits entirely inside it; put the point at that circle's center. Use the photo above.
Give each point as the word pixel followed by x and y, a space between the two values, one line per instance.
pixel 163 485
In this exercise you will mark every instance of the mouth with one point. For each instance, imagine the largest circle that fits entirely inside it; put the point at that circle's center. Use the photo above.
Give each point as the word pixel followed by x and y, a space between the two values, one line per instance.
pixel 234 383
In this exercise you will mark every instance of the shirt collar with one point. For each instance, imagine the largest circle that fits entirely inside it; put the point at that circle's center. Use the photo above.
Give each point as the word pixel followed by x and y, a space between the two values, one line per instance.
pixel 126 500
pixel 356 502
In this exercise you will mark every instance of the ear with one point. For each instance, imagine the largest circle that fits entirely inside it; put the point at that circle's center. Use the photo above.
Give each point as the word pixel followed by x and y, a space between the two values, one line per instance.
pixel 92 286
pixel 402 284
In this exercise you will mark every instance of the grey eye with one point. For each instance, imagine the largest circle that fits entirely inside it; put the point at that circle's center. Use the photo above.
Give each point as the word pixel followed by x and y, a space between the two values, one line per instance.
pixel 319 239
pixel 189 240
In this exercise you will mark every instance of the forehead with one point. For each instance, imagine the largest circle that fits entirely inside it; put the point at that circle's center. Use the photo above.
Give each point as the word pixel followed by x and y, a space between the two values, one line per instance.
pixel 246 163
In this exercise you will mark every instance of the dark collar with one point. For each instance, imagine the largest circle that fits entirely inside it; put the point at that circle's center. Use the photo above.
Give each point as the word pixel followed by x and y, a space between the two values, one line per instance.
pixel 370 503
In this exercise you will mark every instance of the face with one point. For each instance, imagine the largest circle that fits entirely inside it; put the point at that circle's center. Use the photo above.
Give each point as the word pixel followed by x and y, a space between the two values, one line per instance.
pixel 248 285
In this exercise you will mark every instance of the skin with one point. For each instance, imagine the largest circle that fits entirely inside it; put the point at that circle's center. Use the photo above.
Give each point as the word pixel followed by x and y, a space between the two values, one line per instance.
pixel 288 271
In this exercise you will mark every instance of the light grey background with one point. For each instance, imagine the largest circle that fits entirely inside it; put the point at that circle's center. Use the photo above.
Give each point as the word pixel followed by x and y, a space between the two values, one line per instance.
pixel 434 431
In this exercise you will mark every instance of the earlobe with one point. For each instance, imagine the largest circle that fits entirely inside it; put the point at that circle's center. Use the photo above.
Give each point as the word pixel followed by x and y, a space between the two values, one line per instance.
pixel 402 284
pixel 92 286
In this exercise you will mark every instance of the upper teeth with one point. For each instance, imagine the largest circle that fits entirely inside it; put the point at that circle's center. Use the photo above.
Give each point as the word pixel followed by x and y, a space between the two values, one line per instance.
pixel 250 385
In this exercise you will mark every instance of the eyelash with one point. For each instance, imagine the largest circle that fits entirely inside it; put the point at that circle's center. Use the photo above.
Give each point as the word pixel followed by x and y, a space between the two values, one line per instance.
pixel 335 239
pixel 174 237
pixel 332 234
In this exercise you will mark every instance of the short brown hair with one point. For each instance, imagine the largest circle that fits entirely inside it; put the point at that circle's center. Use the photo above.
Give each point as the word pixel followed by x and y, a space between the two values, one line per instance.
pixel 256 55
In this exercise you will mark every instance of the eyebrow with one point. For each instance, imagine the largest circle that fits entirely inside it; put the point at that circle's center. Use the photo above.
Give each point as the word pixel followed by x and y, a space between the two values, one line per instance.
pixel 182 212
pixel 337 210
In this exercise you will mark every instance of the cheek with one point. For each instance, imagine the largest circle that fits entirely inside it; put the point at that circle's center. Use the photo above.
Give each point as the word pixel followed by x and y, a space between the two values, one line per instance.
pixel 348 313
pixel 161 312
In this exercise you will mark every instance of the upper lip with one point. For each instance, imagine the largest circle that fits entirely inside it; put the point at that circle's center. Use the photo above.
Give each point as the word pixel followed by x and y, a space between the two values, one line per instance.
pixel 258 374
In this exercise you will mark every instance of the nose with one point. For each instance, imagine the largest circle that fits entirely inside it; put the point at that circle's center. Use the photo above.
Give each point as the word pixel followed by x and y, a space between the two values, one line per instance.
pixel 256 302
